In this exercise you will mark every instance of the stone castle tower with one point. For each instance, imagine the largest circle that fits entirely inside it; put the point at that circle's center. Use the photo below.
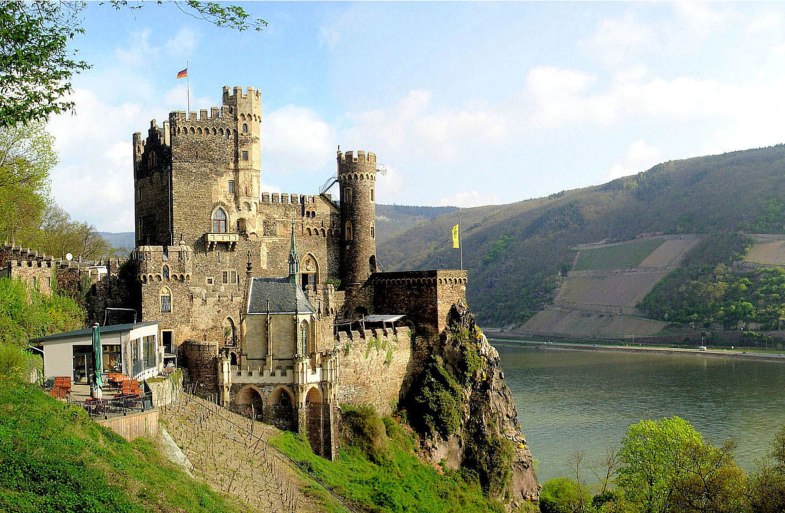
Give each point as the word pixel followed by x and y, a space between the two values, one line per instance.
pixel 357 180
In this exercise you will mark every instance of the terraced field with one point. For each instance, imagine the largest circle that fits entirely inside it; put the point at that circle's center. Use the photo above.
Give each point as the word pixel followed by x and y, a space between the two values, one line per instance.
pixel 599 296
pixel 767 250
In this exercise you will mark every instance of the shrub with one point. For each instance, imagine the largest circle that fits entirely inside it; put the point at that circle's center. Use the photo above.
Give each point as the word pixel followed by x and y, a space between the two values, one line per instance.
pixel 363 429
pixel 563 495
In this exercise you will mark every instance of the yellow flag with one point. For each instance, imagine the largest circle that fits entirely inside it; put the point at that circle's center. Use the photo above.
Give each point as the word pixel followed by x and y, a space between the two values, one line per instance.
pixel 456 236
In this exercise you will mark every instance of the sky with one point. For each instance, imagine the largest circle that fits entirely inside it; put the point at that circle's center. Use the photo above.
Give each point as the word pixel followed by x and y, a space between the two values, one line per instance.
pixel 463 103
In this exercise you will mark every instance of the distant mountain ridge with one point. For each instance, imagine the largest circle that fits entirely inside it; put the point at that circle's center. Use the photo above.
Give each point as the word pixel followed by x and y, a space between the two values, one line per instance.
pixel 119 240
pixel 515 253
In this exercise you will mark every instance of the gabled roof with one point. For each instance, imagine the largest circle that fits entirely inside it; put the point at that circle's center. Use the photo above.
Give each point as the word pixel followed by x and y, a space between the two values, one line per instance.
pixel 284 296
pixel 103 330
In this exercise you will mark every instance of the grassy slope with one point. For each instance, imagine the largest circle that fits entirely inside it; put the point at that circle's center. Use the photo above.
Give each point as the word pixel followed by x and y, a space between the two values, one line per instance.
pixel 54 458
pixel 514 252
pixel 396 481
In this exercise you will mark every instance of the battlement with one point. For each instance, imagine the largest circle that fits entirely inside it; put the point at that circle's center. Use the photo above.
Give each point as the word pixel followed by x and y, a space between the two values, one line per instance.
pixel 20 255
pixel 433 277
pixel 214 114
pixel 359 156
pixel 238 93
pixel 287 199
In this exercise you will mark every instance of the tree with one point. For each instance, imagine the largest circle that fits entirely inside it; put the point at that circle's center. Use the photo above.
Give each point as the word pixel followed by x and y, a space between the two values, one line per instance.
pixel 649 455
pixel 26 158
pixel 563 495
pixel 36 65
pixel 767 485
pixel 709 481
pixel 667 467
pixel 58 235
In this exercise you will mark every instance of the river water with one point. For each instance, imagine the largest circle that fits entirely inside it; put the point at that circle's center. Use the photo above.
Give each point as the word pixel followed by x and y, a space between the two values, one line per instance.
pixel 584 400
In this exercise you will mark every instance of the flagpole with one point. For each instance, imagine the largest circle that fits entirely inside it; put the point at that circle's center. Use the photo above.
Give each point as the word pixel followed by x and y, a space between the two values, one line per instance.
pixel 188 92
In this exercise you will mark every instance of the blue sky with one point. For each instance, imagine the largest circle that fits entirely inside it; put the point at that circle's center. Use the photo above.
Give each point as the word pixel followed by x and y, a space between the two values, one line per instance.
pixel 464 103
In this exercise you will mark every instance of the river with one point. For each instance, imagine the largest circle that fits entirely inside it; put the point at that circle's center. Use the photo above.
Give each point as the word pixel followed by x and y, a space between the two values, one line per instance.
pixel 570 400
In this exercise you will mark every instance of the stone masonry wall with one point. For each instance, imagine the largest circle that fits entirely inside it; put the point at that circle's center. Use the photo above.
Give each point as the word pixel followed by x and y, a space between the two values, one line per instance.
pixel 373 368
pixel 200 359
pixel 425 297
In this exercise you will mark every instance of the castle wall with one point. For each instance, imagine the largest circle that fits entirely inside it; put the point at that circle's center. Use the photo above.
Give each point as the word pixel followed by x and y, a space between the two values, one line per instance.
pixel 373 368
pixel 425 297
pixel 36 275
pixel 201 361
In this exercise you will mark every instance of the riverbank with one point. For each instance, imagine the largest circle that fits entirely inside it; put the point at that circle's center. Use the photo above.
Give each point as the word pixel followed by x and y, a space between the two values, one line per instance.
pixel 742 354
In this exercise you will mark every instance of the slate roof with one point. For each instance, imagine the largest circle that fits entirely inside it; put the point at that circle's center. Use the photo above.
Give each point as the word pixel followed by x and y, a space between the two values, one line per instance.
pixel 284 297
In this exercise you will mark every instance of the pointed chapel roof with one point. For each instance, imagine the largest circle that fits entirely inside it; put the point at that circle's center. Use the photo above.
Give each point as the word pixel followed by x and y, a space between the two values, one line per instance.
pixel 284 296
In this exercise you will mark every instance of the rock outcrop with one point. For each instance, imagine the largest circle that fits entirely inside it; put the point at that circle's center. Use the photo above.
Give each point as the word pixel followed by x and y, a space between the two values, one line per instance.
pixel 459 403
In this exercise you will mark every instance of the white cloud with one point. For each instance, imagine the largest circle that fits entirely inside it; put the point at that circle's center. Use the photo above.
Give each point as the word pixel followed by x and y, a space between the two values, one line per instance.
pixel 466 199
pixel 414 125
pixel 617 40
pixel 182 44
pixel 640 156
pixel 296 139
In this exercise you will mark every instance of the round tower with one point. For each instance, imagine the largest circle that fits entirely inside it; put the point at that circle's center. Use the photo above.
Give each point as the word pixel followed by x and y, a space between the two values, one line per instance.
pixel 357 180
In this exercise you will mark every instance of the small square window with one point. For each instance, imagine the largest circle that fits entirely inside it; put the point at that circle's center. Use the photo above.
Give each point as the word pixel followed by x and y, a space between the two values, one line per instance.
pixel 210 280
pixel 245 155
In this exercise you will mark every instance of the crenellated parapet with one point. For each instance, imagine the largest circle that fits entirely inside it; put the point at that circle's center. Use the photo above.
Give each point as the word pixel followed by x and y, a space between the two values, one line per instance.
pixel 163 263
pixel 425 297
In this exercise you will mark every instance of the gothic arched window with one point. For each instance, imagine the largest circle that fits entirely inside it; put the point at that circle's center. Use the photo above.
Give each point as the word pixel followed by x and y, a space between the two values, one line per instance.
pixel 348 231
pixel 219 221
pixel 166 300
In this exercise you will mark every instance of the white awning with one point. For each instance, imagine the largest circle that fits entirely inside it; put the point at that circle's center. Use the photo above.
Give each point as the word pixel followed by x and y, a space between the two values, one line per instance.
pixel 383 318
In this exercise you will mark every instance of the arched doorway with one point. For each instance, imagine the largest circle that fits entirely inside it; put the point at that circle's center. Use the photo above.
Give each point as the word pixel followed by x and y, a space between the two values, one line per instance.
pixel 280 408
pixel 317 421
pixel 250 403
pixel 230 332
pixel 309 272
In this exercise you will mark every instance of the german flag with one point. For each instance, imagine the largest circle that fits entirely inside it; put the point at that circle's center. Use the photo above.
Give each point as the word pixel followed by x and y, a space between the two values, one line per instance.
pixel 183 73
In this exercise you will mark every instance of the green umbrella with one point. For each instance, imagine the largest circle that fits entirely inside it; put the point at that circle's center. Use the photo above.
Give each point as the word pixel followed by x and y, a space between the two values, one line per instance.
pixel 97 359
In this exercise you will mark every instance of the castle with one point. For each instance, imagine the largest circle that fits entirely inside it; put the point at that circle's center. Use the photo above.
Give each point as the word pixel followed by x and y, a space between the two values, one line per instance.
pixel 274 302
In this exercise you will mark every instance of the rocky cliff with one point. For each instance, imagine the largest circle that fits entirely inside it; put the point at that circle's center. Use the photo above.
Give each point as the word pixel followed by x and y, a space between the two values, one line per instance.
pixel 459 403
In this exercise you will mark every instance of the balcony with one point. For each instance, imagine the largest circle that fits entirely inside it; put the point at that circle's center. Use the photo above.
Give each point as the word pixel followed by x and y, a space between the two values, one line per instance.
pixel 213 239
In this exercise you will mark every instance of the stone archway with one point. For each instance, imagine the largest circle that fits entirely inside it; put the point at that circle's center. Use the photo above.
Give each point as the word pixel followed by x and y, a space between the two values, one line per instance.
pixel 250 403
pixel 317 421
pixel 280 408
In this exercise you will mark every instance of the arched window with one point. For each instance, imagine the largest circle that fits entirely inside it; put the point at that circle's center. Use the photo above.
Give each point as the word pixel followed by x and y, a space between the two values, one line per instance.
pixel 245 128
pixel 347 195
pixel 166 300
pixel 348 231
pixel 219 221
pixel 165 272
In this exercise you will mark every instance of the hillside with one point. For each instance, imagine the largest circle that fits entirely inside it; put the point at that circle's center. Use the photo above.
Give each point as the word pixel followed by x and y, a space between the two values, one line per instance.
pixel 54 458
pixel 516 252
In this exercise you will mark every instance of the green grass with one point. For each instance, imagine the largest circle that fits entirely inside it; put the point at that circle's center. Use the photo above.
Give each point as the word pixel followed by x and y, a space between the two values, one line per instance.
pixel 396 482
pixel 54 458
pixel 619 256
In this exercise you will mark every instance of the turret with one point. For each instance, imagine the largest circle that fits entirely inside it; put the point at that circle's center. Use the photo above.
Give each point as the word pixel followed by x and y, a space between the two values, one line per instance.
pixel 357 180
pixel 247 110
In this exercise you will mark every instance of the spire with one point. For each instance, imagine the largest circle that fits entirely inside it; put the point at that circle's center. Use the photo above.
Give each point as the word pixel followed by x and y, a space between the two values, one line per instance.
pixel 294 261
